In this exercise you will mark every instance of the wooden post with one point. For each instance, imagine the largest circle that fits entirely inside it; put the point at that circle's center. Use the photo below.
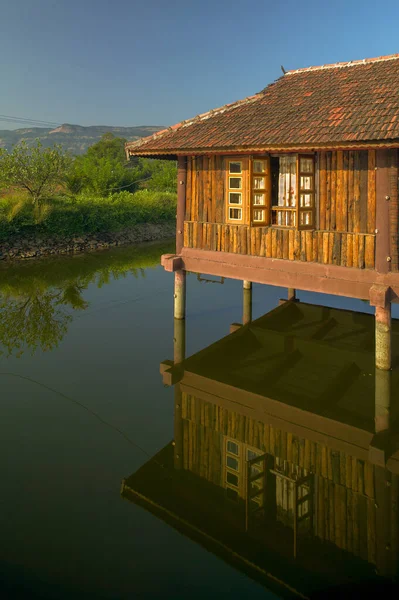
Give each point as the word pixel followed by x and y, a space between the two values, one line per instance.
pixel 180 295
pixel 179 354
pixel 291 296
pixel 382 400
pixel 383 190
pixel 247 302
pixel 179 341
pixel 181 201
pixel 383 337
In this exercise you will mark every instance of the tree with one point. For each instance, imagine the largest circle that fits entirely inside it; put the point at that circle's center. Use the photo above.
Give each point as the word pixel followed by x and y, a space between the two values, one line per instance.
pixel 103 169
pixel 163 175
pixel 110 147
pixel 39 171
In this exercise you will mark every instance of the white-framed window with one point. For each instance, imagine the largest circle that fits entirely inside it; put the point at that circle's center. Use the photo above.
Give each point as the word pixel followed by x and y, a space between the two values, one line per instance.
pixel 232 469
pixel 235 190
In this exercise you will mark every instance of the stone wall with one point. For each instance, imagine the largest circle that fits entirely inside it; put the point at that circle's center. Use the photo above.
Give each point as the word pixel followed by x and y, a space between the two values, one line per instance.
pixel 33 247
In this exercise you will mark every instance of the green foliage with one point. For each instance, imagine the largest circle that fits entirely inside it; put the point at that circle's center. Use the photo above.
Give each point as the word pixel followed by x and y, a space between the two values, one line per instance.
pixel 104 170
pixel 84 214
pixel 38 171
pixel 109 147
pixel 37 299
pixel 162 173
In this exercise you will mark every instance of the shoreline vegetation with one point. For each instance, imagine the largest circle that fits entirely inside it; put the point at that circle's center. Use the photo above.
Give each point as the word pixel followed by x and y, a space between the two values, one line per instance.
pixel 52 203
pixel 64 225
pixel 40 299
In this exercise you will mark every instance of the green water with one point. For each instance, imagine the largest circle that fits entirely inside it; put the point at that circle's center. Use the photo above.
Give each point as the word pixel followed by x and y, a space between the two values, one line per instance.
pixel 83 406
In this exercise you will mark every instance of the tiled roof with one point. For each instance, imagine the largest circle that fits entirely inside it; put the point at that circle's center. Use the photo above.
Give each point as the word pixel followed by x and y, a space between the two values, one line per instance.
pixel 343 104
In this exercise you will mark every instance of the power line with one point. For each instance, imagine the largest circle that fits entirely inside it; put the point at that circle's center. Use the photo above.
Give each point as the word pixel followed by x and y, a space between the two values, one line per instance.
pixel 11 119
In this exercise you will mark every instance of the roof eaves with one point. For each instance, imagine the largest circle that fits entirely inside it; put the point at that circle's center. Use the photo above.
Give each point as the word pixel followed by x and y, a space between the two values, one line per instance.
pixel 198 118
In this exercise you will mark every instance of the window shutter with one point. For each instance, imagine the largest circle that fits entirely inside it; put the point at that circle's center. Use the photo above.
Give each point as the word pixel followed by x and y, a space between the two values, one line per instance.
pixel 260 191
pixel 306 212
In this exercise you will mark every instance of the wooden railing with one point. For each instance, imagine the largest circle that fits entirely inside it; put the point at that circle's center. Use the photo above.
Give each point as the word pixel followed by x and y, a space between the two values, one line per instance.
pixel 326 247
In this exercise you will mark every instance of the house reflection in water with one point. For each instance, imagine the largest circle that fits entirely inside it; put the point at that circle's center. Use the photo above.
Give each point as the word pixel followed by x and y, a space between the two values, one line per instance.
pixel 284 460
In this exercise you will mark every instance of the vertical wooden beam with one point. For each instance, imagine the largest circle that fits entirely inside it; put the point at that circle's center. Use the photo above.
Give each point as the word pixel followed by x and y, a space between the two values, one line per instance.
pixel 394 211
pixel 291 295
pixel 179 341
pixel 371 192
pixel 181 201
pixel 382 400
pixel 323 190
pixel 382 251
pixel 179 354
pixel 247 302
pixel 180 295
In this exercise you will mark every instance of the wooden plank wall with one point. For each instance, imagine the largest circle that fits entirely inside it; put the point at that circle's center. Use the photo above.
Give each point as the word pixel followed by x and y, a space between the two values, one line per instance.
pixel 345 492
pixel 333 248
pixel 347 193
pixel 205 189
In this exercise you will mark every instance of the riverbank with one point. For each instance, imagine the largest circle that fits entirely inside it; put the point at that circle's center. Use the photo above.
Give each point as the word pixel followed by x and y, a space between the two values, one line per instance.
pixel 33 246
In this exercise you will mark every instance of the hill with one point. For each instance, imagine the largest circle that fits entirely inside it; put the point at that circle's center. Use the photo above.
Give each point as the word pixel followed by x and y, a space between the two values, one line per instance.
pixel 74 138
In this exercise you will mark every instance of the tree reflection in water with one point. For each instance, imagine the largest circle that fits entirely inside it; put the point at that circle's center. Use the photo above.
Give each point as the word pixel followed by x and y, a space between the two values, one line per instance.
pixel 38 298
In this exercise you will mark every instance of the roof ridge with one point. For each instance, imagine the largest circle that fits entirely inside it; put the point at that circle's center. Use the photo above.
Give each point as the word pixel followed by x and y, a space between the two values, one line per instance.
pixel 340 65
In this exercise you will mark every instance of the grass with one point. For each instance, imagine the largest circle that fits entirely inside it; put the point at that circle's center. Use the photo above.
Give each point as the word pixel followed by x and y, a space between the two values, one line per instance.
pixel 66 216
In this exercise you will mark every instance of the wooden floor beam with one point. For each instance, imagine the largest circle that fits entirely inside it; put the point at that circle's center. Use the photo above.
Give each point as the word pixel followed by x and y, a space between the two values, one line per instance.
pixel 312 277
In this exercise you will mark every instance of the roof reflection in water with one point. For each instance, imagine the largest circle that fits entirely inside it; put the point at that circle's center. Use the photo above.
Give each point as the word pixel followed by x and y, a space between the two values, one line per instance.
pixel 284 460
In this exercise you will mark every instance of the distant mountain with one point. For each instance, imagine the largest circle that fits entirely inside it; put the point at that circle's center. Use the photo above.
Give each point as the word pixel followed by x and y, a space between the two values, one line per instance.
pixel 74 138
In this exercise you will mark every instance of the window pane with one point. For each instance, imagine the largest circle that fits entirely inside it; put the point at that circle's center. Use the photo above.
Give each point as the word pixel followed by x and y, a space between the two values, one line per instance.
pixel 285 218
pixel 232 479
pixel 232 448
pixel 259 166
pixel 259 199
pixel 306 165
pixel 232 463
pixel 259 215
pixel 305 218
pixel 235 183
pixel 235 198
pixel 306 183
pixel 259 183
pixel 306 200
pixel 235 213
pixel 235 167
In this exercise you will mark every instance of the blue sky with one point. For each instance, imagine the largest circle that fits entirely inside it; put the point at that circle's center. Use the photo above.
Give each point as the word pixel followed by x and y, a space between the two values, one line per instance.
pixel 157 62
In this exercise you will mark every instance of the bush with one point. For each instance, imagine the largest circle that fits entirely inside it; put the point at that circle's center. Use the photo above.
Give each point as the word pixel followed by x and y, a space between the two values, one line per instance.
pixel 84 214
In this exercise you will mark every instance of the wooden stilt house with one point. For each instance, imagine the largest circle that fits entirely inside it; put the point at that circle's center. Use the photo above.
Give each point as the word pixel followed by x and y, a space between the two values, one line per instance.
pixel 296 186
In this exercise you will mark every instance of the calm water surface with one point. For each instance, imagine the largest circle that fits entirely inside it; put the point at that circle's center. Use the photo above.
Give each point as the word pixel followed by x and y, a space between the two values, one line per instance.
pixel 83 406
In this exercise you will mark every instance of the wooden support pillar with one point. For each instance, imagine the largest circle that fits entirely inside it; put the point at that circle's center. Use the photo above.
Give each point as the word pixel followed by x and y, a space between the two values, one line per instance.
pixel 383 337
pixel 179 354
pixel 247 302
pixel 178 429
pixel 380 448
pixel 382 400
pixel 181 202
pixel 180 295
pixel 291 295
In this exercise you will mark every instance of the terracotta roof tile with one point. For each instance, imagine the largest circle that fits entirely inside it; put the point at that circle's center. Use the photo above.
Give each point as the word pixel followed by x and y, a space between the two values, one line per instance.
pixel 332 104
